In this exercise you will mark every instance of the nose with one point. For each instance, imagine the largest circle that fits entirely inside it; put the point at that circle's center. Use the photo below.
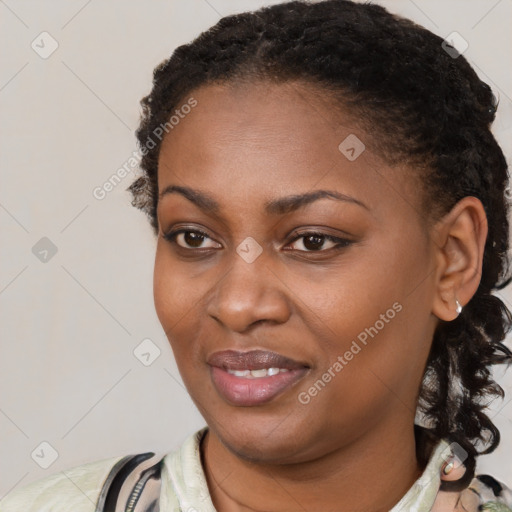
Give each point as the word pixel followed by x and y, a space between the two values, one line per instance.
pixel 249 293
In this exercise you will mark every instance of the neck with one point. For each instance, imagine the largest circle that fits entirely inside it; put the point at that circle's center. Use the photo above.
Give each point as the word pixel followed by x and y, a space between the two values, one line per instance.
pixel 370 474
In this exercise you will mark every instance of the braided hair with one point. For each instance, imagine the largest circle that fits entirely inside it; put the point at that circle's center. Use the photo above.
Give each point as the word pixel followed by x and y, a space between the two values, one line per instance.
pixel 421 106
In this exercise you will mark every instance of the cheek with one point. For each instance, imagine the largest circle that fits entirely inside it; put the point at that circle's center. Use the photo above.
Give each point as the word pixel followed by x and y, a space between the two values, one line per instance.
pixel 166 289
pixel 175 306
pixel 180 295
pixel 177 296
pixel 373 314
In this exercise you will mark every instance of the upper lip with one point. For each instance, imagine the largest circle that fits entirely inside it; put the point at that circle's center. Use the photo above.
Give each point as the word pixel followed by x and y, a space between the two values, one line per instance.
pixel 252 360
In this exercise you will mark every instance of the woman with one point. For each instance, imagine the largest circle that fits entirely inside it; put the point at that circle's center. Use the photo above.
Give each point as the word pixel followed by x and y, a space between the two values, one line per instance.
pixel 330 210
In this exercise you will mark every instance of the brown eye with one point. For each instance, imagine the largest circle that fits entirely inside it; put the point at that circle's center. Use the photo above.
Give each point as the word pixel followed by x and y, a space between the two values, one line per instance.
pixel 314 242
pixel 189 239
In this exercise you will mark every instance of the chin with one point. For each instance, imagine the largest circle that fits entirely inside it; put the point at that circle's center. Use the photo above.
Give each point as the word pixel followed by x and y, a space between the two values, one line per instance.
pixel 258 449
pixel 270 440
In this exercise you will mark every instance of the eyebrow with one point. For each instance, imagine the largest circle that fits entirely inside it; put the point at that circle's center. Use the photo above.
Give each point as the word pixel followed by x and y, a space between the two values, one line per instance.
pixel 274 207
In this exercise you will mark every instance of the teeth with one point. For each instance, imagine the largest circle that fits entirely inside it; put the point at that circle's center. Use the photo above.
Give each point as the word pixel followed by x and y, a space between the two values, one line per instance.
pixel 240 373
pixel 256 374
pixel 259 373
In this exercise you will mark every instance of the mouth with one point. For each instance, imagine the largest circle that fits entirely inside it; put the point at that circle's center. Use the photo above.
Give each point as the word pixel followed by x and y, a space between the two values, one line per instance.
pixel 255 377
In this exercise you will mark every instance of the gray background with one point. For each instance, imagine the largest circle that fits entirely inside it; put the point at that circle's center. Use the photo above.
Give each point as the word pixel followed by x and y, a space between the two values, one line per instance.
pixel 70 324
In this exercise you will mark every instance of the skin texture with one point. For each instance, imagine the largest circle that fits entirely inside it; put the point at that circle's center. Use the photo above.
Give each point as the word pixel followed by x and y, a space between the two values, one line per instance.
pixel 245 145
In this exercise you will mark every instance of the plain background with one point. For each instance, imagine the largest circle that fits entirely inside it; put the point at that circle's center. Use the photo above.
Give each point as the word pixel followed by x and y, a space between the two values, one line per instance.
pixel 69 326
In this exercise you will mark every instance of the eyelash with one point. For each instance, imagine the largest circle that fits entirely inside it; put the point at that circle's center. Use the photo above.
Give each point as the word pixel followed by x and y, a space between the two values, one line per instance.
pixel 341 242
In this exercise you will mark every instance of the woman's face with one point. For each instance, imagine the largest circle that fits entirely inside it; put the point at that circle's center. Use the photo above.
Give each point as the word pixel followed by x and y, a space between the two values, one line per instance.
pixel 254 280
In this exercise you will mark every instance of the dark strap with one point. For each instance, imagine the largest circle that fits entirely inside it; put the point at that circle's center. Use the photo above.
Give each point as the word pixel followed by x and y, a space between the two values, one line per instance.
pixel 146 498
pixel 128 469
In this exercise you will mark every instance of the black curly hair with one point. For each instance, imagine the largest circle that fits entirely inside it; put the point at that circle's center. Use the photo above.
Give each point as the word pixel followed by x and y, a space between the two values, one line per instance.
pixel 420 105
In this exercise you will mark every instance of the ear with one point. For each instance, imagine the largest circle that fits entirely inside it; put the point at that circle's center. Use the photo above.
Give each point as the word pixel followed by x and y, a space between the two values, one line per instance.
pixel 459 239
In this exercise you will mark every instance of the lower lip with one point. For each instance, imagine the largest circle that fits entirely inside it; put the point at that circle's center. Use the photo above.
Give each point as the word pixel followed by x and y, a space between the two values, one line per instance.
pixel 247 392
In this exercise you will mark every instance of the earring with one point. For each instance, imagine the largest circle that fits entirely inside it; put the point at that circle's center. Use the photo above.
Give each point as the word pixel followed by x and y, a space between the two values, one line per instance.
pixel 448 468
pixel 459 307
pixel 453 469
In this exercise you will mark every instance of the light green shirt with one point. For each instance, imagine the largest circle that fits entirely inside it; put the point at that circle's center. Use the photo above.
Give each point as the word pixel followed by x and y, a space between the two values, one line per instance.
pixel 183 488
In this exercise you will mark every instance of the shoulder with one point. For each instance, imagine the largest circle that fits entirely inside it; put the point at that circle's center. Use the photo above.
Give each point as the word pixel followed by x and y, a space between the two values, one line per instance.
pixel 487 493
pixel 484 493
pixel 77 489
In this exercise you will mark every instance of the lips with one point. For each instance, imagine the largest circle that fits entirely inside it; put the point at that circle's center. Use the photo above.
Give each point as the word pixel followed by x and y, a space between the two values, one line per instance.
pixel 255 377
pixel 252 360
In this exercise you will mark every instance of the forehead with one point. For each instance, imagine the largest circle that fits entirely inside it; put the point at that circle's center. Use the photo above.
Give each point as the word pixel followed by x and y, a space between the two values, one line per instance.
pixel 288 117
pixel 266 139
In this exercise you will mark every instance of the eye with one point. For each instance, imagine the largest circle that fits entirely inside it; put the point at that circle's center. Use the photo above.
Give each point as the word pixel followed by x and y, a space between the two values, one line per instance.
pixel 315 242
pixel 189 239
pixel 312 241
